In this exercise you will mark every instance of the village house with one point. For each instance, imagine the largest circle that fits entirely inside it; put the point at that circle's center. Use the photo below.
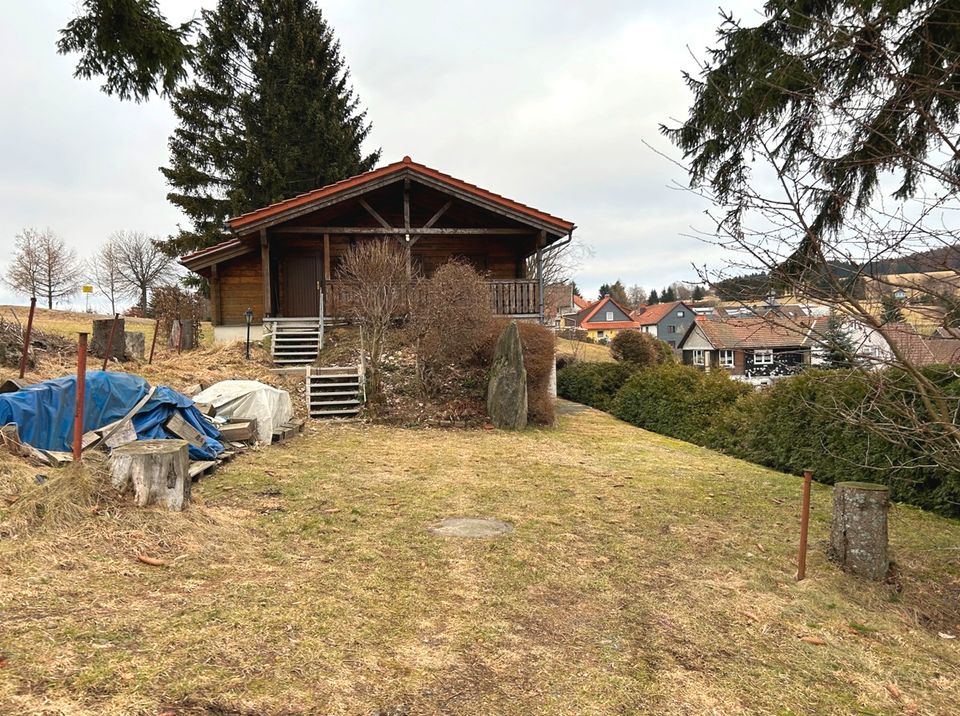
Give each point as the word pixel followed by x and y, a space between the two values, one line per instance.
pixel 282 260
pixel 667 321
pixel 601 321
pixel 755 350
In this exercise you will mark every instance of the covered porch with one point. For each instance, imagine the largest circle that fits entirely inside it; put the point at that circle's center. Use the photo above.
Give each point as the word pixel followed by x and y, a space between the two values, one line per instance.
pixel 283 260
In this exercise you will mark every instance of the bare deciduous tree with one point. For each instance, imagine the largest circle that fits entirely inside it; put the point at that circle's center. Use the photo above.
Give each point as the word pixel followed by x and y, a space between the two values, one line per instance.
pixel 636 295
pixel 377 289
pixel 560 265
pixel 43 266
pixel 103 271
pixel 142 265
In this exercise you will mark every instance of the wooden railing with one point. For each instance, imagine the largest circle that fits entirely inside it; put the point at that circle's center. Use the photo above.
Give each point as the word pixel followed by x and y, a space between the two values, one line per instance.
pixel 508 297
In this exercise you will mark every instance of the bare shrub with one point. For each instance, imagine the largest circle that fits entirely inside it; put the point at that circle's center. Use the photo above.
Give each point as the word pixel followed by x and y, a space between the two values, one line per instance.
pixel 449 321
pixel 376 284
pixel 640 349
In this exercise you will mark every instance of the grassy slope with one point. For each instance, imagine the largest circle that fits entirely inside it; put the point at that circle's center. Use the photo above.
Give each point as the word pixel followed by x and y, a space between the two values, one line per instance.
pixel 593 352
pixel 645 575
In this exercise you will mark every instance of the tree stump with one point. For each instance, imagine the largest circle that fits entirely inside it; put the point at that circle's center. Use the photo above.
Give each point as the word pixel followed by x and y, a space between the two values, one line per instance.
pixel 157 470
pixel 101 336
pixel 858 534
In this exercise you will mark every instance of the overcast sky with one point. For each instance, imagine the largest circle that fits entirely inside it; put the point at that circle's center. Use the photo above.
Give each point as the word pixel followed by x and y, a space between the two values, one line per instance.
pixel 548 103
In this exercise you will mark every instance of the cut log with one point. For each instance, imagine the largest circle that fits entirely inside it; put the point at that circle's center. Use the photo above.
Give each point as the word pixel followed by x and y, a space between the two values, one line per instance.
pixel 101 337
pixel 858 534
pixel 158 471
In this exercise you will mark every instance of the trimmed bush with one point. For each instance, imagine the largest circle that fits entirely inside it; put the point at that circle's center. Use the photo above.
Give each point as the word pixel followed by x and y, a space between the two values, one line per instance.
pixel 676 400
pixel 640 349
pixel 593 384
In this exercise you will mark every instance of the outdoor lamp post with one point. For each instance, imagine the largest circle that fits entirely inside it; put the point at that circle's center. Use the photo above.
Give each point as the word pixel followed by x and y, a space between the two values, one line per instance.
pixel 248 314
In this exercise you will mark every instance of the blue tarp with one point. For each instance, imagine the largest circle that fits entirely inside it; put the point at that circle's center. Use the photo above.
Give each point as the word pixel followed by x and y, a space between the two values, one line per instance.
pixel 43 412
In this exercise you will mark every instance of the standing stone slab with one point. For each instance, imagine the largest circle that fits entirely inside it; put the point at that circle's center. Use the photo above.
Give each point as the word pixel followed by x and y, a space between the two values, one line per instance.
pixel 158 471
pixel 184 327
pixel 858 534
pixel 101 337
pixel 134 345
pixel 507 390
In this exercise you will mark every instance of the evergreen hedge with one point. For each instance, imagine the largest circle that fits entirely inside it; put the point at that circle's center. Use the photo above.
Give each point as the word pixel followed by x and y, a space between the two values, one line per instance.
pixel 793 425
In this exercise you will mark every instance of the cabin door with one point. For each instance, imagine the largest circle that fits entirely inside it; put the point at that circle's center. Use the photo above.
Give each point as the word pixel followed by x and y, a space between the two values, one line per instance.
pixel 302 273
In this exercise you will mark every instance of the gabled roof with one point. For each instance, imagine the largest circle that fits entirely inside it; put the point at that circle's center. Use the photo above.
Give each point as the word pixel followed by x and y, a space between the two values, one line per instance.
pixel 585 317
pixel 754 333
pixel 651 315
pixel 581 302
pixel 405 167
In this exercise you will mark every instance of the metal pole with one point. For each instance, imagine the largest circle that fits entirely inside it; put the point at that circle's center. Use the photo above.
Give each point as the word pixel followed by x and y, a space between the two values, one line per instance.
pixel 804 522
pixel 113 330
pixel 248 340
pixel 153 343
pixel 26 337
pixel 81 388
pixel 180 336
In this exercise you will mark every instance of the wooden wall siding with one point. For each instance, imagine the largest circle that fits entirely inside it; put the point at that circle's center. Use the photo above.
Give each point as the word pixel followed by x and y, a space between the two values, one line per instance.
pixel 241 287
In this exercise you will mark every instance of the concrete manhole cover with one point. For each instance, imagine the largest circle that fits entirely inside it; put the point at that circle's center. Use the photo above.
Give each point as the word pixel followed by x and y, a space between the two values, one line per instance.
pixel 472 527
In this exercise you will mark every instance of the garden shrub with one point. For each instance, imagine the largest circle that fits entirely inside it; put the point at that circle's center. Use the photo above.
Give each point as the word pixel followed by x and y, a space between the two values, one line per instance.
pixel 640 349
pixel 593 384
pixel 676 400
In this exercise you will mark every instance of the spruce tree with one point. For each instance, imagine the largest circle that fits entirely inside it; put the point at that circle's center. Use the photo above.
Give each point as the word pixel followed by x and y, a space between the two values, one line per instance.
pixel 668 295
pixel 269 114
pixel 837 344
pixel 653 298
pixel 697 293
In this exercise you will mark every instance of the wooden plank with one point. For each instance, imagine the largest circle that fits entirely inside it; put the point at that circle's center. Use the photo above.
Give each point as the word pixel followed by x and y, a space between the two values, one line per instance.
pixel 406 205
pixel 239 430
pixel 215 310
pixel 326 257
pixel 374 214
pixel 399 231
pixel 202 467
pixel 440 212
pixel 182 429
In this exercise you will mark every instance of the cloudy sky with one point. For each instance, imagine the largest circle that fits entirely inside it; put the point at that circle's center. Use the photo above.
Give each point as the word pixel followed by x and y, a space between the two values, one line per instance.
pixel 548 103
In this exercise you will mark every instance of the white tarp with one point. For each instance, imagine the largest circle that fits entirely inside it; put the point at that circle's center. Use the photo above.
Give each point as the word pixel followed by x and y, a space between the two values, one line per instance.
pixel 250 399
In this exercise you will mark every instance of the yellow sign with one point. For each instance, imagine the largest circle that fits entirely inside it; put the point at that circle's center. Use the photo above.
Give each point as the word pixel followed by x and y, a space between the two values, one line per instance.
pixel 88 289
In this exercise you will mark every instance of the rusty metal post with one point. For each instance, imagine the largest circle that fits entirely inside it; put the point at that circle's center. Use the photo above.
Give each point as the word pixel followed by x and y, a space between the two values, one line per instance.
pixel 81 389
pixel 804 523
pixel 113 331
pixel 180 336
pixel 153 343
pixel 26 337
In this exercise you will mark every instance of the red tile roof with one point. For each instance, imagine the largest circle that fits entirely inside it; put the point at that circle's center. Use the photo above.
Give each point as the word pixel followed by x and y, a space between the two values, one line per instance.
pixel 216 248
pixel 405 165
pixel 651 315
pixel 583 318
pixel 581 302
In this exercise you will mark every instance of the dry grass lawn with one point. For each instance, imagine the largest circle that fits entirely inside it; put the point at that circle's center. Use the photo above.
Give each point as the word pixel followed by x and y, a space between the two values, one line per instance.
pixel 645 575
pixel 592 352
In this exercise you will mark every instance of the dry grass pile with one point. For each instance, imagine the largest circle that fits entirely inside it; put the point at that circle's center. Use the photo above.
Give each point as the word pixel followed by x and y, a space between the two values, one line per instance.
pixel 12 333
pixel 37 499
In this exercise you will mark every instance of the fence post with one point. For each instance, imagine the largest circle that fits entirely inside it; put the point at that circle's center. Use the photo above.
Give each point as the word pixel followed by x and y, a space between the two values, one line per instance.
pixel 804 522
pixel 113 331
pixel 26 337
pixel 81 389
pixel 153 343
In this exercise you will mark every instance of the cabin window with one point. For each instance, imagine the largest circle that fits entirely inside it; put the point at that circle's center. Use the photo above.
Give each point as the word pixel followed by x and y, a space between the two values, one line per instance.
pixel 763 357
pixel 726 359
pixel 699 357
pixel 680 314
pixel 609 316
pixel 599 334
pixel 672 344
pixel 671 329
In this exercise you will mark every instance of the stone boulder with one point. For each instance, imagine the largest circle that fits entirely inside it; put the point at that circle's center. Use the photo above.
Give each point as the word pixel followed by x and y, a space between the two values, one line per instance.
pixel 134 345
pixel 507 390
pixel 102 329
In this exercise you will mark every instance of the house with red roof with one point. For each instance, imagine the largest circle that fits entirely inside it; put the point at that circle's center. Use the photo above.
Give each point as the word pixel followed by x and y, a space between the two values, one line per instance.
pixel 602 320
pixel 281 260
pixel 667 321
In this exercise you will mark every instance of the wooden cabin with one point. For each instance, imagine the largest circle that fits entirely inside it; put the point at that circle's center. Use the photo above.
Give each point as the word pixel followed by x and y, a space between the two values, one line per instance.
pixel 282 262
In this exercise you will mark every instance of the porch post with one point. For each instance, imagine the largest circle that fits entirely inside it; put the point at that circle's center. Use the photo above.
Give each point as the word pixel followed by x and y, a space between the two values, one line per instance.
pixel 326 258
pixel 215 312
pixel 541 240
pixel 265 269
